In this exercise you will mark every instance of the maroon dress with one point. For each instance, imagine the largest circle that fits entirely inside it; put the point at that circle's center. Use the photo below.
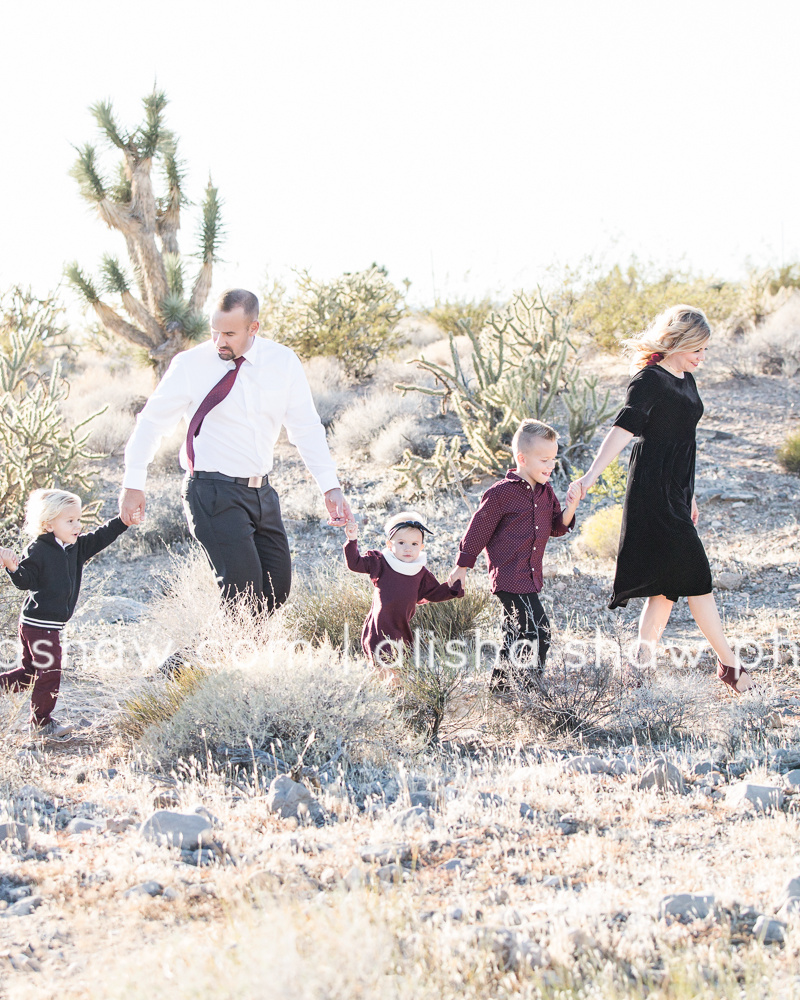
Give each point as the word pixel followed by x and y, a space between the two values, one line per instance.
pixel 395 597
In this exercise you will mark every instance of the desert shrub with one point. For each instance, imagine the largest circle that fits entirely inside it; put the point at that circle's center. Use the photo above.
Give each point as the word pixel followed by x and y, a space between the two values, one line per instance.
pixel 36 449
pixel 330 605
pixel 789 453
pixel 608 305
pixel 448 315
pixel 599 534
pixel 406 432
pixel 302 701
pixel 523 365
pixel 572 698
pixel 353 318
pixel 330 388
pixel 156 705
pixel 360 423
pixel 774 344
pixel 665 704
pixel 21 311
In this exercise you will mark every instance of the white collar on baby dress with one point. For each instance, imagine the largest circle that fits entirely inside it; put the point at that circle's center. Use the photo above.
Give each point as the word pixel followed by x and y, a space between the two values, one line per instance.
pixel 406 568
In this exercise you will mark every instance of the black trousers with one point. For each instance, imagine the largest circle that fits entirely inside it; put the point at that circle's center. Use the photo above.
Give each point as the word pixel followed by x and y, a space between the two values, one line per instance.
pixel 524 618
pixel 241 530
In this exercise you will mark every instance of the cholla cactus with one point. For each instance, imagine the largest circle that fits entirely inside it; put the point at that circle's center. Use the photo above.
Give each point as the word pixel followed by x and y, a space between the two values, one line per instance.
pixel 523 365
pixel 165 316
pixel 35 449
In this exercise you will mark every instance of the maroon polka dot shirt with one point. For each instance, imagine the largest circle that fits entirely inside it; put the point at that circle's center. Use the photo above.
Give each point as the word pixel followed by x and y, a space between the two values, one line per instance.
pixel 513 522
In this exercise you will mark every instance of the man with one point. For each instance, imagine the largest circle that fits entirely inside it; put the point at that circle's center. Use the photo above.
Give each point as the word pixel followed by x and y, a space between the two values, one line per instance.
pixel 236 390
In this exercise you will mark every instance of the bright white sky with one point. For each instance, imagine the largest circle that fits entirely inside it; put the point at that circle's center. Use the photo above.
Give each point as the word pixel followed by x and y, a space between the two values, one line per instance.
pixel 470 143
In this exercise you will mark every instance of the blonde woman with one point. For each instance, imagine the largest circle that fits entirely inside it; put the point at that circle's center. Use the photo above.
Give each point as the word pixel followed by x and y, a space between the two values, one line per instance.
pixel 661 557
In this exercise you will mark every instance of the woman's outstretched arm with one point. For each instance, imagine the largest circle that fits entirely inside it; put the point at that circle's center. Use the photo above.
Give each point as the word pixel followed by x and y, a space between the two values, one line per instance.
pixel 614 442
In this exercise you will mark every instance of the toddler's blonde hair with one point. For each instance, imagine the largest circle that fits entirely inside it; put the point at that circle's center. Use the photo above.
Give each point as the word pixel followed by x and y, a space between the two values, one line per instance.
pixel 677 329
pixel 43 506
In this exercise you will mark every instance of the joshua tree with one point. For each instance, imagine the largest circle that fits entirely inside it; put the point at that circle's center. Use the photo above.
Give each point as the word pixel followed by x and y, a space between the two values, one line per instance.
pixel 164 317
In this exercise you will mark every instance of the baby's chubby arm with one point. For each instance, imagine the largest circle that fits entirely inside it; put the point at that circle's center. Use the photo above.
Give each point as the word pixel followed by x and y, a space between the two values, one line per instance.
pixel 9 559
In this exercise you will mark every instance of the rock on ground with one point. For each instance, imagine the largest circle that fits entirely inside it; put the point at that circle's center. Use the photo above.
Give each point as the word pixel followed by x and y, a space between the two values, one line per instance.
pixel 663 776
pixel 759 798
pixel 186 830
pixel 685 906
pixel 291 799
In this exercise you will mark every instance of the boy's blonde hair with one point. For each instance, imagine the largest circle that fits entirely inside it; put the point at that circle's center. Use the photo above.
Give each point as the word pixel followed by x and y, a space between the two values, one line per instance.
pixel 527 431
pixel 43 506
pixel 677 329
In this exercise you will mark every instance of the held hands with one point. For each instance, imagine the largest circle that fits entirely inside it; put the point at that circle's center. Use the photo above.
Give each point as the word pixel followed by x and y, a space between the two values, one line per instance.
pixel 338 508
pixel 574 494
pixel 351 530
pixel 9 559
pixel 132 505
pixel 581 487
pixel 695 512
pixel 458 575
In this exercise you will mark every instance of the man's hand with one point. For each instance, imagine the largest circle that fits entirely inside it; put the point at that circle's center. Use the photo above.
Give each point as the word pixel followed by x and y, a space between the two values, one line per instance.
pixel 695 512
pixel 9 559
pixel 459 574
pixel 338 508
pixel 131 506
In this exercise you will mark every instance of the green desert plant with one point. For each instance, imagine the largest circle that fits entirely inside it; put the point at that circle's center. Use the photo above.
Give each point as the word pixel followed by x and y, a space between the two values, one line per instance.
pixel 789 453
pixel 599 534
pixel 448 315
pixel 523 365
pixel 352 318
pixel 608 305
pixel 166 315
pixel 36 449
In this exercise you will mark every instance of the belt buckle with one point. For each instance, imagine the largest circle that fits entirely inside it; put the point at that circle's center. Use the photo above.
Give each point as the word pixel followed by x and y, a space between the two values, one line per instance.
pixel 256 482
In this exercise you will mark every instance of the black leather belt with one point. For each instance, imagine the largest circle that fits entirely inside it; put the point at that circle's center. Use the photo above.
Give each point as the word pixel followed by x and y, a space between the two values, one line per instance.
pixel 255 481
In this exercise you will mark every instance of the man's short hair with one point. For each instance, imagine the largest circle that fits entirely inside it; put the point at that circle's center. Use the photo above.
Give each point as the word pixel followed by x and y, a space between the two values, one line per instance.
pixel 527 431
pixel 232 298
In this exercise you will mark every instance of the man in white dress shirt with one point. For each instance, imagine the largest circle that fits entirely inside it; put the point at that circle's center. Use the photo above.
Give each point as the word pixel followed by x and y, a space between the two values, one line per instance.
pixel 232 510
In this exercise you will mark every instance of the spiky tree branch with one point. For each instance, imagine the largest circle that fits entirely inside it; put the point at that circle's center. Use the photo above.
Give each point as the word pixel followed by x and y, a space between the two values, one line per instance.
pixel 163 320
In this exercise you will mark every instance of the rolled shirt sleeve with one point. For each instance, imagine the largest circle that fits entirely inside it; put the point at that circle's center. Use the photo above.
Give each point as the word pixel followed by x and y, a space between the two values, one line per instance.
pixel 634 415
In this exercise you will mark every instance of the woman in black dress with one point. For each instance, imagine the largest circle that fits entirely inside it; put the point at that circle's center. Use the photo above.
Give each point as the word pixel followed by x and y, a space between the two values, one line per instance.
pixel 661 557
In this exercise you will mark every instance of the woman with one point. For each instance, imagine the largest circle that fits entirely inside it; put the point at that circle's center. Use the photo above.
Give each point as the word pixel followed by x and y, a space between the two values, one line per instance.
pixel 660 554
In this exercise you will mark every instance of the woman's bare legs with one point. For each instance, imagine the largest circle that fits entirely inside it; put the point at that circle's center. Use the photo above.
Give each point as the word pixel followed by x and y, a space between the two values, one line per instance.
pixel 653 621
pixel 705 613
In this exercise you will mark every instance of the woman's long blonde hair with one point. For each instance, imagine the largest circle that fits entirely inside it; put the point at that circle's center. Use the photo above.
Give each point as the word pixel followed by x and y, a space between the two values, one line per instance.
pixel 677 329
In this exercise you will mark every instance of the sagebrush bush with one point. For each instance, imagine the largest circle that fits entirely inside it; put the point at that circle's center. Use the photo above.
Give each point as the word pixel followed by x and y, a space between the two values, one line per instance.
pixel 331 604
pixel 667 702
pixel 285 695
pixel 330 387
pixel 404 432
pixel 567 699
pixel 359 424
pixel 599 534
pixel 789 453
pixel 448 315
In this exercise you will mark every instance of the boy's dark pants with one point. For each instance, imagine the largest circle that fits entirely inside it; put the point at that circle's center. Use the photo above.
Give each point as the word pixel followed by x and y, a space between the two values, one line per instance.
pixel 41 667
pixel 524 618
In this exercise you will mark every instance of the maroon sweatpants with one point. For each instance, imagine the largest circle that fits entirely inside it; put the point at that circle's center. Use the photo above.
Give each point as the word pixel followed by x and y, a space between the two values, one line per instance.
pixel 41 667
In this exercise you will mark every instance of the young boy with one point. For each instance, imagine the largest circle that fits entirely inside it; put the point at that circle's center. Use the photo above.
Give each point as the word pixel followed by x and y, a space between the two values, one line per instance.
pixel 515 518
pixel 401 582
pixel 50 570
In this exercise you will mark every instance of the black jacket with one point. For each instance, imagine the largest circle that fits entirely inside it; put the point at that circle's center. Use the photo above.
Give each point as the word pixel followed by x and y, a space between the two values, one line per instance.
pixel 52 573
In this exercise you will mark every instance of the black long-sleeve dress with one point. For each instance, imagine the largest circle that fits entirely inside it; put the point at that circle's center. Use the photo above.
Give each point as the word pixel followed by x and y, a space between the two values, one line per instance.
pixel 660 551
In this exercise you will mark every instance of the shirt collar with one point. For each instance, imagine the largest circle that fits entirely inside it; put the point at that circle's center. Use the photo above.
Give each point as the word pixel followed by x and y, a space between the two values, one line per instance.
pixel 514 477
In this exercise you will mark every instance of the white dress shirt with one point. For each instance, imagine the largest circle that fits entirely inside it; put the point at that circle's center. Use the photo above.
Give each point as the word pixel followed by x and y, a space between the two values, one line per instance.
pixel 238 436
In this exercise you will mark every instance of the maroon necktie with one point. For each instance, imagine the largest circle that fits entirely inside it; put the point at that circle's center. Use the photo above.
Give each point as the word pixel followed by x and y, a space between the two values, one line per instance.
pixel 215 396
